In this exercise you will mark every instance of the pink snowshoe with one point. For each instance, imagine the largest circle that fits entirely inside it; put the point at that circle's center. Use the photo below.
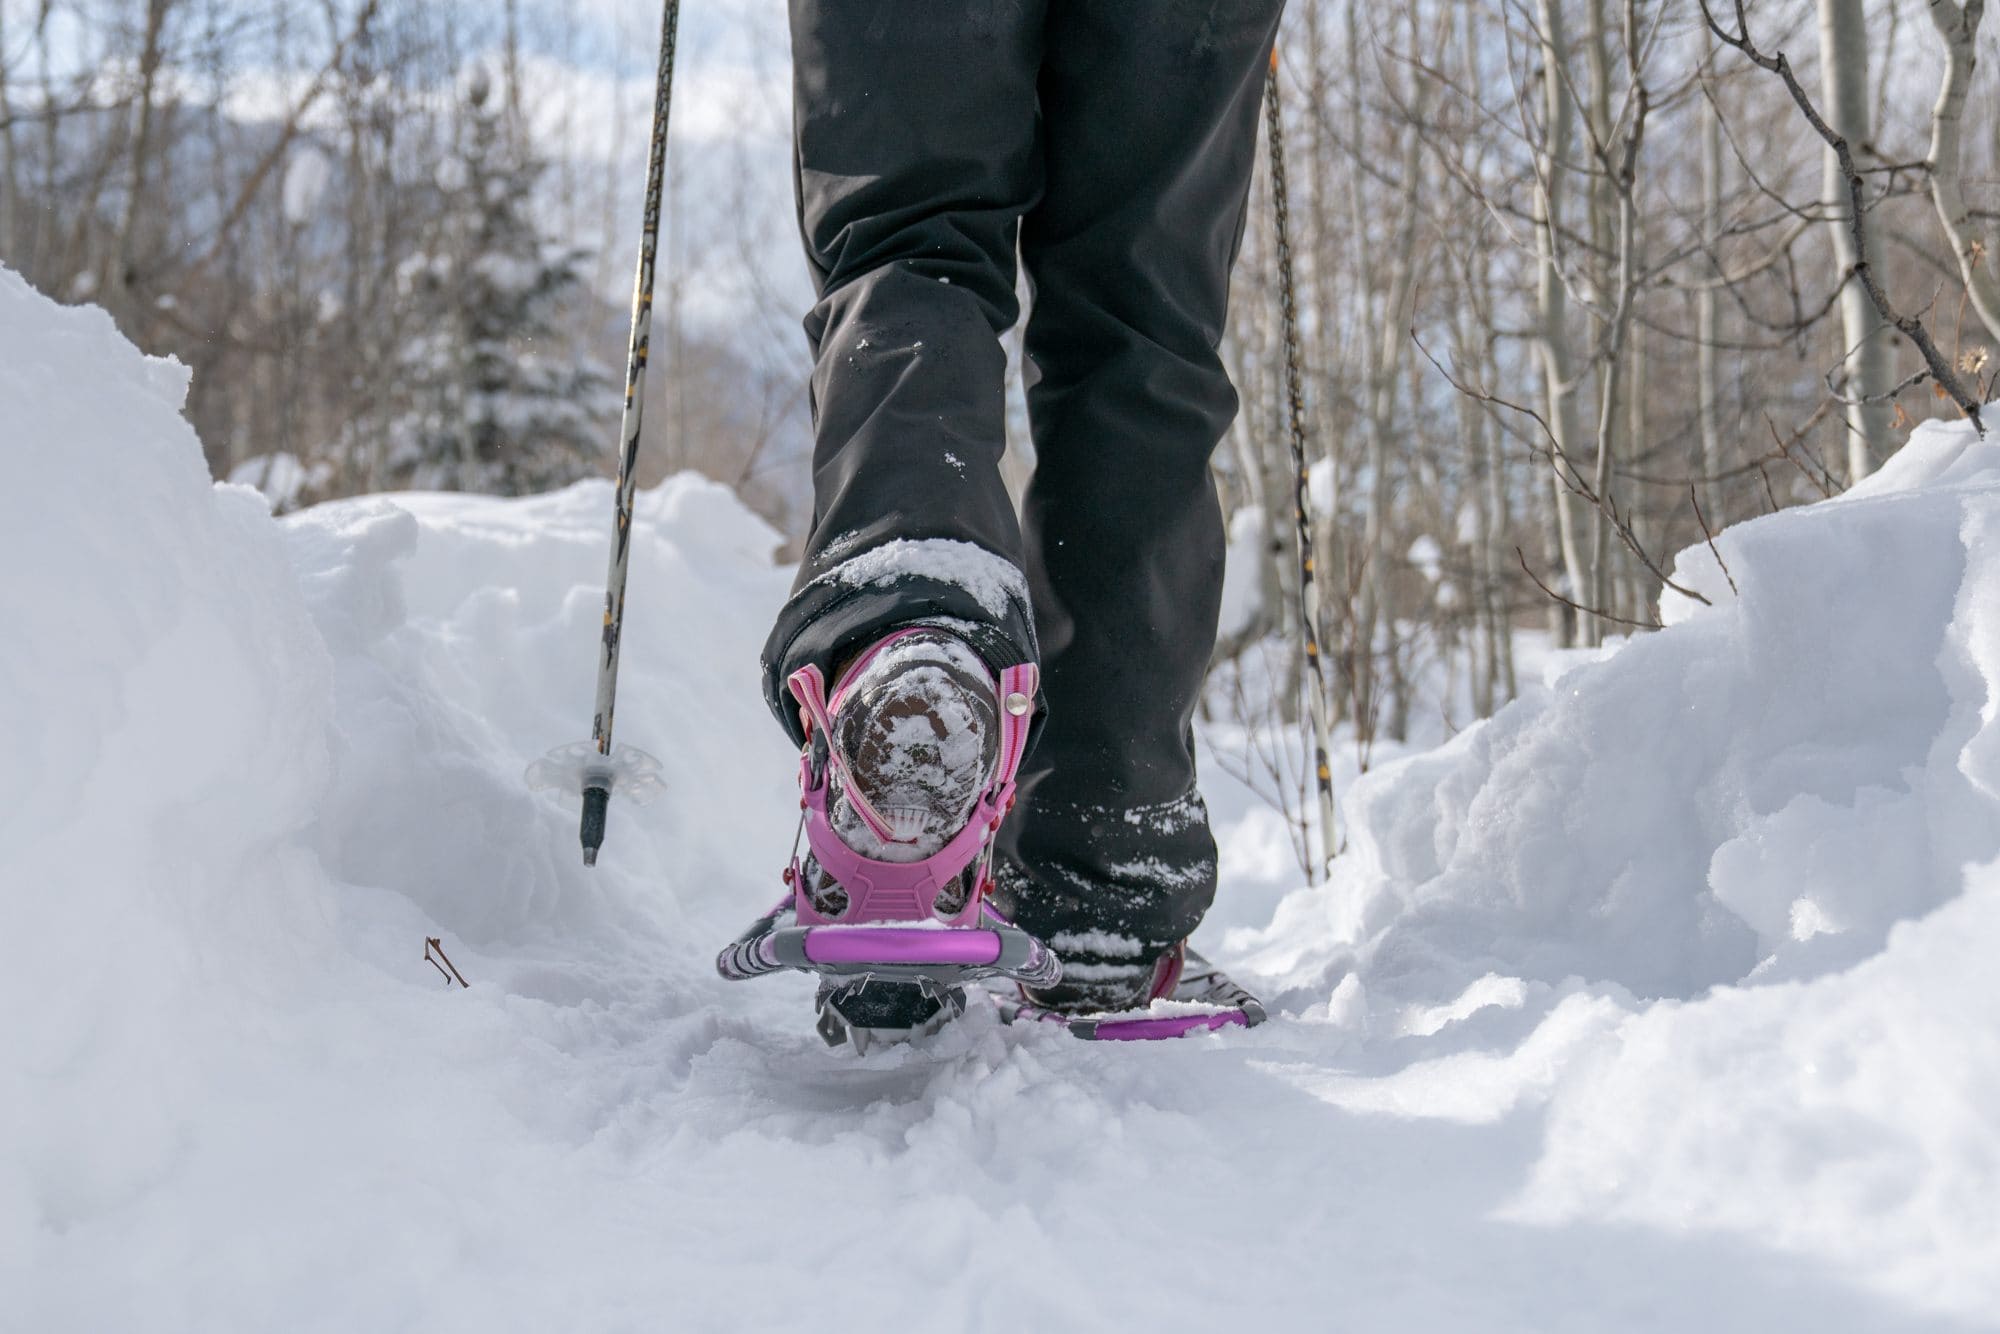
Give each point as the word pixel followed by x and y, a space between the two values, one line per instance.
pixel 907 772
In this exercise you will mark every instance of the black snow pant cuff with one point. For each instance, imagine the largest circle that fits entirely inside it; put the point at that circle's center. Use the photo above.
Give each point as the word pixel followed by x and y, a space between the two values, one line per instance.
pixel 1110 886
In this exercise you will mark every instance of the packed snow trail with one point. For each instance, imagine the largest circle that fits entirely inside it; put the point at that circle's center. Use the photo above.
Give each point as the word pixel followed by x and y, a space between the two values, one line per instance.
pixel 1656 1003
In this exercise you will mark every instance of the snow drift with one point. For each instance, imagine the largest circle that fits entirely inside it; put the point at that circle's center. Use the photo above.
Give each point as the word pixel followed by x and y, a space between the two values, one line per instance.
pixel 1766 795
pixel 1659 1001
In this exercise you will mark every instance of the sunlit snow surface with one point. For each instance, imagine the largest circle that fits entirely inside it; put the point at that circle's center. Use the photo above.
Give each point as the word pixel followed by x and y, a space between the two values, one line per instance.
pixel 1659 1003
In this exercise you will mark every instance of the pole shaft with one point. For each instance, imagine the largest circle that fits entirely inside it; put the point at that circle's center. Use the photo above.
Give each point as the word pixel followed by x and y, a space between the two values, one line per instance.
pixel 1295 395
pixel 636 356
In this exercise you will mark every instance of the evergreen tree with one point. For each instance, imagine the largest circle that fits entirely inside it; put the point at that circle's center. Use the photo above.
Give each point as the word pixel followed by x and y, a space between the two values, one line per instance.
pixel 496 398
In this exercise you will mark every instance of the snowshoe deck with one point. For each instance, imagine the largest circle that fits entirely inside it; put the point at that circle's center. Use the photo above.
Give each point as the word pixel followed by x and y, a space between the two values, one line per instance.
pixel 1205 1000
pixel 887 983
pixel 942 956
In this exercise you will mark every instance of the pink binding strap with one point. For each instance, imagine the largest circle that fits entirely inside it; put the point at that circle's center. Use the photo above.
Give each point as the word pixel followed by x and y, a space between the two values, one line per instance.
pixel 816 710
pixel 881 891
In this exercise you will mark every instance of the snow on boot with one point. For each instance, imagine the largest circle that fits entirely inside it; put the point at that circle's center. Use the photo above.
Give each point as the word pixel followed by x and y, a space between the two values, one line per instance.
pixel 907 772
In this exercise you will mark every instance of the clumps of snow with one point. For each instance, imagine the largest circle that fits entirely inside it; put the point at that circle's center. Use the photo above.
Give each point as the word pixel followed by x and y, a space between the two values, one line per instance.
pixel 1164 818
pixel 1100 944
pixel 1158 871
pixel 995 582
pixel 840 545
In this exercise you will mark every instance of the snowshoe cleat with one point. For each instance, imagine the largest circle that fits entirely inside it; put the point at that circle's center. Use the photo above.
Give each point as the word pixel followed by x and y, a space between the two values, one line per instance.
pixel 870 1011
pixel 907 772
pixel 1183 994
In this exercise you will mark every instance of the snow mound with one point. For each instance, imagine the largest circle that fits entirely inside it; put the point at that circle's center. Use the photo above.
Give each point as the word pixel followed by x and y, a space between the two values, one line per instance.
pixel 1764 791
pixel 164 703
pixel 1781 817
pixel 1657 1002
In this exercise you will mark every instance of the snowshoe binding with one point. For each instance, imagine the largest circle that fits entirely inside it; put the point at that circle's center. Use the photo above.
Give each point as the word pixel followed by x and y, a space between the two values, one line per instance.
pixel 907 772
pixel 1183 993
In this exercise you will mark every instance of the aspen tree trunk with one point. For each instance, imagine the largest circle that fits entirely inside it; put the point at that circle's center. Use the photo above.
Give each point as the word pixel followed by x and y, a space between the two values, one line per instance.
pixel 10 162
pixel 1624 296
pixel 1495 501
pixel 1602 206
pixel 1707 305
pixel 517 127
pixel 1383 333
pixel 45 219
pixel 1377 591
pixel 1551 300
pixel 1602 194
pixel 1959 26
pixel 1843 45
pixel 125 254
pixel 1605 286
pixel 1592 624
pixel 1484 645
pixel 1360 655
pixel 1633 582
pixel 1496 559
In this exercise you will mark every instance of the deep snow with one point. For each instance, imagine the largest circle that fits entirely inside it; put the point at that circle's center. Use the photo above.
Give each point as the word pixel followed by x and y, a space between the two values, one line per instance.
pixel 1661 1001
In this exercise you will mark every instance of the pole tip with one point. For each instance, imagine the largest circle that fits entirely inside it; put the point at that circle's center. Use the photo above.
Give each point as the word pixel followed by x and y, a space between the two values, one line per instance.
pixel 595 802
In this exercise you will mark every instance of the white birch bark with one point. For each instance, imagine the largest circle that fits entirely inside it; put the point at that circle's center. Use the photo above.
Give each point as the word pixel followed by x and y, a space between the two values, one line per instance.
pixel 1959 26
pixel 1869 344
pixel 1708 306
pixel 1382 345
pixel 10 162
pixel 1551 299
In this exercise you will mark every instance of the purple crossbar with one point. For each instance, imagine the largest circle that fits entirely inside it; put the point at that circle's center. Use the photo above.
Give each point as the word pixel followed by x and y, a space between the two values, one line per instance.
pixel 891 945
pixel 1171 1026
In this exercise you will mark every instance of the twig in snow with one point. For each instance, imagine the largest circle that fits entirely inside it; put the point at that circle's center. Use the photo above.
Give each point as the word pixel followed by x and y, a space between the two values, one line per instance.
pixel 1702 519
pixel 447 968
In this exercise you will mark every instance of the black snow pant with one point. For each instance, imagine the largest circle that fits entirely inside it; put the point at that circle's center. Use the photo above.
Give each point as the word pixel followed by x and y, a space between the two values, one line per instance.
pixel 1109 143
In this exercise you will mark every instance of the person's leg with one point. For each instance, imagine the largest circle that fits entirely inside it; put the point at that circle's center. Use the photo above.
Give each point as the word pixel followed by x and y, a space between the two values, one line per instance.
pixel 1150 112
pixel 917 153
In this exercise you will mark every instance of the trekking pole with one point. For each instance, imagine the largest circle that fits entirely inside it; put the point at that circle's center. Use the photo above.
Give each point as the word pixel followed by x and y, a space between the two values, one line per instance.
pixel 593 768
pixel 1295 396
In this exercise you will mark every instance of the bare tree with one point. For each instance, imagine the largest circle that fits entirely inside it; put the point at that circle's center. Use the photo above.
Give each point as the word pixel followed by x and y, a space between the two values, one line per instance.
pixel 1958 25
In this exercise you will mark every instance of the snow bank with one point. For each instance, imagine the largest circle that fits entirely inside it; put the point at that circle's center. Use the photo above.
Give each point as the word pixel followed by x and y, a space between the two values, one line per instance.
pixel 163 709
pixel 248 769
pixel 1658 1002
pixel 1734 816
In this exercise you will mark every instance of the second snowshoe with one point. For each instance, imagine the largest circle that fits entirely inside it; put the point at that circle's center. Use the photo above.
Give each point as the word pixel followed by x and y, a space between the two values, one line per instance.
pixel 1185 994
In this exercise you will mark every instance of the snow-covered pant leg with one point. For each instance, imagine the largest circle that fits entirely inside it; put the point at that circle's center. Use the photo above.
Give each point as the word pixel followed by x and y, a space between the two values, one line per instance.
pixel 917 152
pixel 1150 113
